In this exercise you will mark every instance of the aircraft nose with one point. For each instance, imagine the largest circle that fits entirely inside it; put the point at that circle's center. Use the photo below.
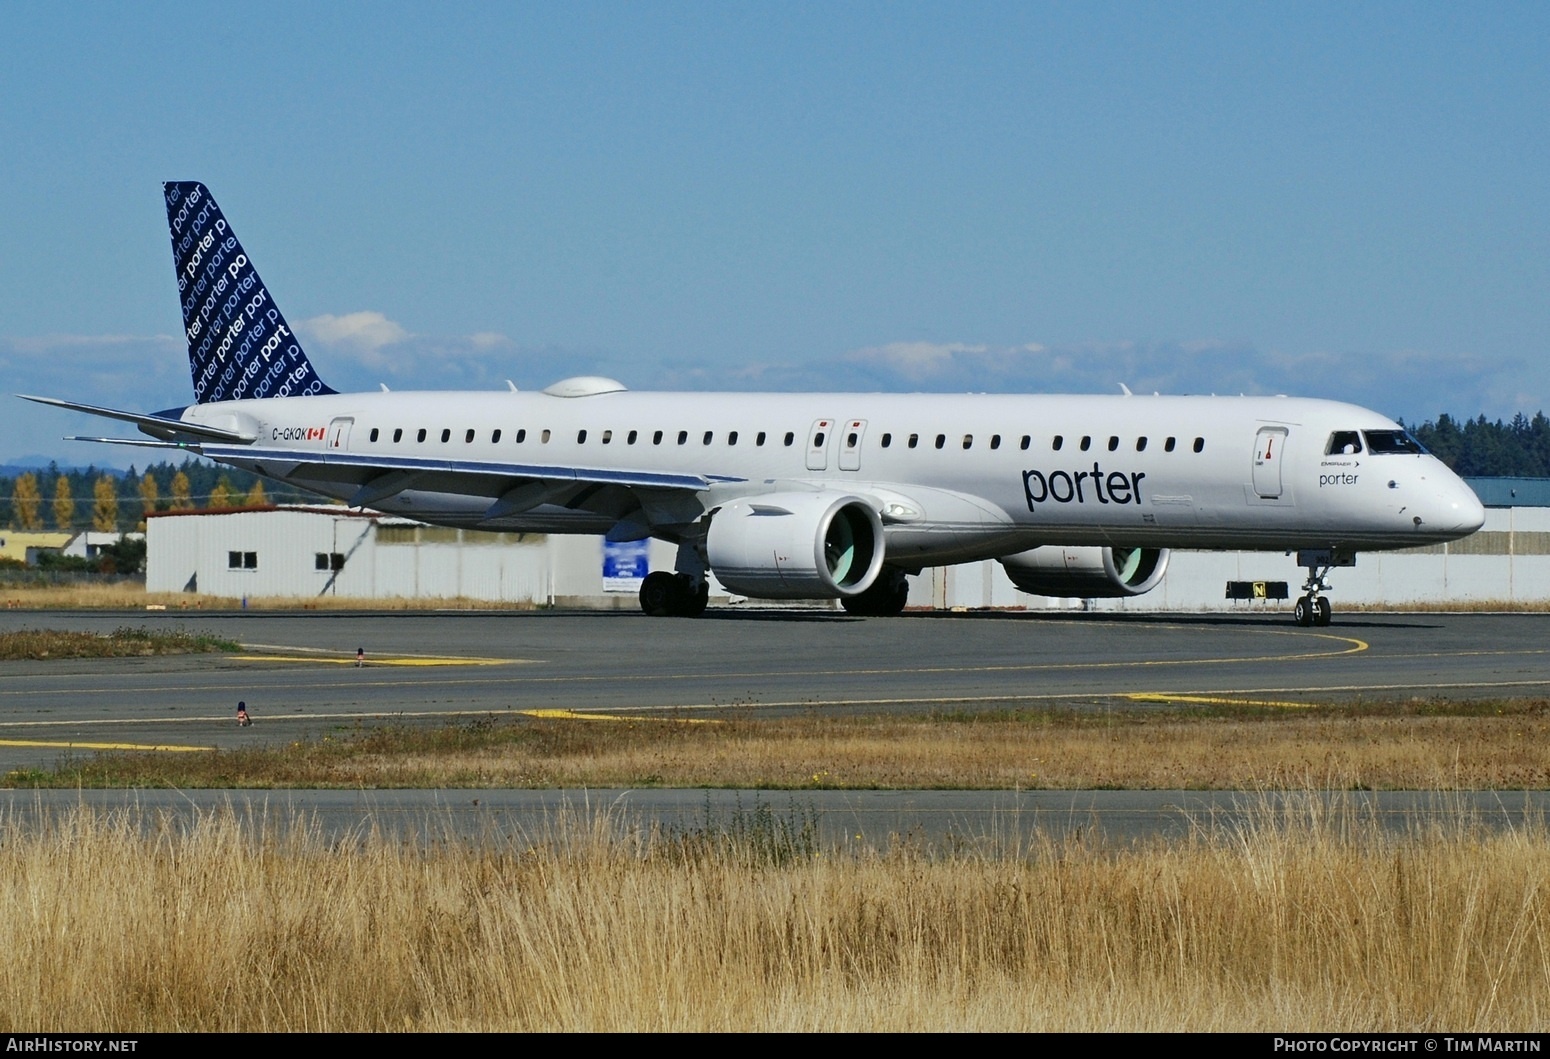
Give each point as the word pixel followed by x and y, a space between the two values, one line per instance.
pixel 1471 510
pixel 1458 510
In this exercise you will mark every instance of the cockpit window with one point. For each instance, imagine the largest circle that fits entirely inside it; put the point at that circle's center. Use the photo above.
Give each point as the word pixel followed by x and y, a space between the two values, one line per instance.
pixel 1385 442
pixel 1343 443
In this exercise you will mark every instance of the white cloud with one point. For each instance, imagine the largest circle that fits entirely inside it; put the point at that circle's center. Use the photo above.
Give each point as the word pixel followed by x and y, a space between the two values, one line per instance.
pixel 489 340
pixel 363 332
pixel 916 361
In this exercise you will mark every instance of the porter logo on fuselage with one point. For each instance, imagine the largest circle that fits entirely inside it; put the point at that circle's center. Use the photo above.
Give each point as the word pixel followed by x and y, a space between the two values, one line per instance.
pixel 1078 487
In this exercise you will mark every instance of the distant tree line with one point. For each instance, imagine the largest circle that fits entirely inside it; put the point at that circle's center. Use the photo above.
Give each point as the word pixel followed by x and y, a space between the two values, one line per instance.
pixel 117 501
pixel 1479 448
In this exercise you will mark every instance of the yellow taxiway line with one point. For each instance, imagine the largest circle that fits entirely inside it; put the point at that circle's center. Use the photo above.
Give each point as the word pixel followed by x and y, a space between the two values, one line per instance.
pixel 583 715
pixel 1212 700
pixel 403 660
pixel 72 745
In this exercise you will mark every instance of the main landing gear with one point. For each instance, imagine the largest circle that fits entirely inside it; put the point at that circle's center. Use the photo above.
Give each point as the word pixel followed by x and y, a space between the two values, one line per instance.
pixel 1312 608
pixel 884 598
pixel 665 595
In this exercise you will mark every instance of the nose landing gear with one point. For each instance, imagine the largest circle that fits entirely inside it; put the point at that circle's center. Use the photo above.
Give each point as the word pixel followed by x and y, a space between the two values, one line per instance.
pixel 1312 608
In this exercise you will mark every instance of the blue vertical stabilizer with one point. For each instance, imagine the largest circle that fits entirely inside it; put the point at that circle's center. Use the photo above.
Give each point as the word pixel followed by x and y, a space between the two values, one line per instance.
pixel 239 345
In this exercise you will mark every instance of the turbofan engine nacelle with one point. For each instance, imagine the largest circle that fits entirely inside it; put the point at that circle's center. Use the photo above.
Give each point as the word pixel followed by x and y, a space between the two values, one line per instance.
pixel 1087 573
pixel 821 545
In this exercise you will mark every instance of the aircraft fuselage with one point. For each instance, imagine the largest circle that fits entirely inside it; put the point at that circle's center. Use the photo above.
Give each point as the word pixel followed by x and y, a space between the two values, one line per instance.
pixel 957 477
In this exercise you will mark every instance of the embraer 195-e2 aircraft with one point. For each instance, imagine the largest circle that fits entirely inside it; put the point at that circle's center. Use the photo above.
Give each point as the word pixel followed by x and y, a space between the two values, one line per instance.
pixel 810 495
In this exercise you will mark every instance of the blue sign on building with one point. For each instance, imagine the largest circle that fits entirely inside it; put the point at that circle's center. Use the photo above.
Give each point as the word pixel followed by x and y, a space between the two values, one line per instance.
pixel 625 565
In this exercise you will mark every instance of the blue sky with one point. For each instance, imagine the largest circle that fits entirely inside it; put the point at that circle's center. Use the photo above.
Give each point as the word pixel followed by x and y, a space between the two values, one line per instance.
pixel 1323 199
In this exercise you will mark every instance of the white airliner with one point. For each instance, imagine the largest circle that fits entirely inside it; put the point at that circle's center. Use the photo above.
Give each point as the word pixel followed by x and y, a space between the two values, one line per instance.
pixel 814 495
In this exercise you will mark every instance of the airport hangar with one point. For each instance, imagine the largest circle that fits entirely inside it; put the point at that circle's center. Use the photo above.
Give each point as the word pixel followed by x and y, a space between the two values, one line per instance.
pixel 309 551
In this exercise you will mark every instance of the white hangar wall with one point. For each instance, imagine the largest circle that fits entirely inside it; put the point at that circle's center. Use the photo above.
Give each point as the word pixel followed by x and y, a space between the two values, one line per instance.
pixel 1508 561
pixel 321 551
pixel 301 552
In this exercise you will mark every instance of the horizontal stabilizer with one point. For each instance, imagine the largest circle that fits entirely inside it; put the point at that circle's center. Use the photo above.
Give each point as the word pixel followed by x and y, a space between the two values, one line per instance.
pixel 142 443
pixel 157 426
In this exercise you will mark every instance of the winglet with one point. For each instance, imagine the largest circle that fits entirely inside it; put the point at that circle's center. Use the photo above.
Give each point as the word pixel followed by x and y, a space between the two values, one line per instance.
pixel 239 345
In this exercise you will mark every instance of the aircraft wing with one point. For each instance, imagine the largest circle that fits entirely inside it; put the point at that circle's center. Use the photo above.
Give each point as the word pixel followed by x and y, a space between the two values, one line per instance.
pixel 632 500
pixel 635 499
pixel 352 467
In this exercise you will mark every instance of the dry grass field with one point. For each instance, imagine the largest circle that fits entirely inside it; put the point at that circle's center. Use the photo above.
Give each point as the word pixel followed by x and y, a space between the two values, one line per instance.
pixel 1304 921
pixel 1406 745
pixel 29 595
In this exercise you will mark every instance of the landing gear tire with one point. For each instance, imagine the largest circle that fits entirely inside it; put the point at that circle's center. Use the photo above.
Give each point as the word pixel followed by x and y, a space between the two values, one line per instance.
pixel 657 593
pixel 1312 610
pixel 884 598
pixel 665 595
pixel 1302 613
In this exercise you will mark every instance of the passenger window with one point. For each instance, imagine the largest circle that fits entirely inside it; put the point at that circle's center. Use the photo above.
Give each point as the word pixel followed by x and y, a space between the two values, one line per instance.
pixel 851 439
pixel 914 440
pixel 995 441
pixel 886 440
pixel 790 437
pixel 1056 443
pixel 581 437
pixel 1200 444
pixel 544 437
pixel 608 435
pixel 373 433
pixel 708 436
pixel 1168 445
pixel 630 438
pixel 1343 443
pixel 968 441
pixel 521 435
pixel 656 439
pixel 683 437
pixel 1028 440
pixel 1113 443
pixel 1140 444
pixel 1087 443
pixel 732 438
pixel 398 435
pixel 758 439
pixel 818 440
pixel 446 435
pixel 468 439
pixel 495 437
pixel 421 435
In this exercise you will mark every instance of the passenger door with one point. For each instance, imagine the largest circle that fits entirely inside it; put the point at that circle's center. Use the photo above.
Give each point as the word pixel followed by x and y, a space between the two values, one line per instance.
pixel 1269 444
pixel 850 444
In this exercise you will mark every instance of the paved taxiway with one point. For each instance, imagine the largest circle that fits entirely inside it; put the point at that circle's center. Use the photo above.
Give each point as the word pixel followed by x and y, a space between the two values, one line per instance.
pixel 299 677
pixel 983 821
